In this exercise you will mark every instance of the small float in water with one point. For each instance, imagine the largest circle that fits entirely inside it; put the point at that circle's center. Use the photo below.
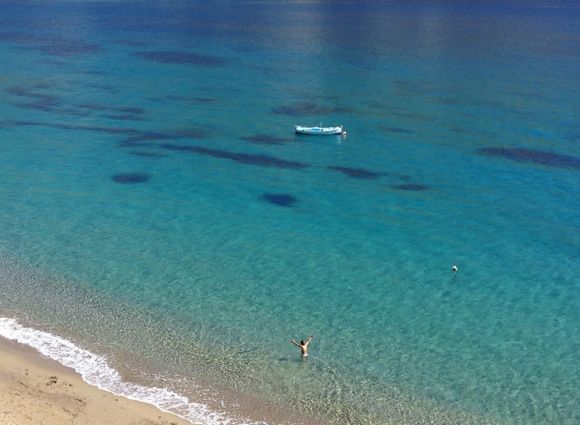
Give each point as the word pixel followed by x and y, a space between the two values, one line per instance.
pixel 320 131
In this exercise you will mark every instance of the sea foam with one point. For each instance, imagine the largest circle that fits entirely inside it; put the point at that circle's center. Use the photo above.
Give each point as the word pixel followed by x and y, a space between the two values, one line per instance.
pixel 96 371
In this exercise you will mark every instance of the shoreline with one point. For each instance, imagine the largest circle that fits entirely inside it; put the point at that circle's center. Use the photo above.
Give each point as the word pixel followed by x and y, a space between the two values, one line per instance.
pixel 201 401
pixel 37 389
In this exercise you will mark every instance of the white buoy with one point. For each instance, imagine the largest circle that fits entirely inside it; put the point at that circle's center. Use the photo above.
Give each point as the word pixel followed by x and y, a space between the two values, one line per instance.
pixel 454 268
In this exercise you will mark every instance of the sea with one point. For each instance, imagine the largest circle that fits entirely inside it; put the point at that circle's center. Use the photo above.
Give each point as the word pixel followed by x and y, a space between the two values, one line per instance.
pixel 165 233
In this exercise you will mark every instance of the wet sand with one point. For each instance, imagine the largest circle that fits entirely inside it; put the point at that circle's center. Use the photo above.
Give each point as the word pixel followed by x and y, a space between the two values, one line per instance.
pixel 37 390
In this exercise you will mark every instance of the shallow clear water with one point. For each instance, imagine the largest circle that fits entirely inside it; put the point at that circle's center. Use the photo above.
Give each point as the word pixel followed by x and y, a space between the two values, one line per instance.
pixel 151 177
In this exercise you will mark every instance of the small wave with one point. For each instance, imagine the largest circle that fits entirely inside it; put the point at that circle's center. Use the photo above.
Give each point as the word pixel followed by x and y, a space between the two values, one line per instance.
pixel 95 370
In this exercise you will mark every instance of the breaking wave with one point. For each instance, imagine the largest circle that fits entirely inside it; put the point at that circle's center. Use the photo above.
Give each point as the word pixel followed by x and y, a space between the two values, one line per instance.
pixel 96 371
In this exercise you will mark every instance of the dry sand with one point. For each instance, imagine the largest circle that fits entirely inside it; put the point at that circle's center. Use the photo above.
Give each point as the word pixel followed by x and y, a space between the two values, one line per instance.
pixel 35 390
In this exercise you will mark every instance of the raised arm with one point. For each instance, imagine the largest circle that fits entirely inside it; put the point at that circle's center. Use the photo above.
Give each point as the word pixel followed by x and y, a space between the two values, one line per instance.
pixel 295 343
pixel 309 339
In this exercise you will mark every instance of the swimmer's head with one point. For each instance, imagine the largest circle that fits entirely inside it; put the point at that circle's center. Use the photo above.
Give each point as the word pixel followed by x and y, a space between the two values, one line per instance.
pixel 454 268
pixel 302 342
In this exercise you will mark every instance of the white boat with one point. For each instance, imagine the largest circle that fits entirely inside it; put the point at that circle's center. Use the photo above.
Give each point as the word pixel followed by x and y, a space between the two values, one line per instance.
pixel 319 131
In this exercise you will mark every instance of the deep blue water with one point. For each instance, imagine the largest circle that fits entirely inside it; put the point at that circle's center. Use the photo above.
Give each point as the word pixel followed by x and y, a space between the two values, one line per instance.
pixel 157 208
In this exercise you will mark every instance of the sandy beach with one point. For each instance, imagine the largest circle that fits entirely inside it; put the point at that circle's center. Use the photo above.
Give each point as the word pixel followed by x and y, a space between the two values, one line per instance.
pixel 35 390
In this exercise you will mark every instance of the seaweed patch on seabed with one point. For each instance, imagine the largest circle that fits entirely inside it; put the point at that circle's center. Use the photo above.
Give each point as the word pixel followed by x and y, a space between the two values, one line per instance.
pixel 124 117
pixel 143 138
pixel 37 100
pixel 124 109
pixel 134 137
pixel 55 46
pixel 307 108
pixel 178 57
pixel 531 156
pixel 147 154
pixel 130 43
pixel 279 199
pixel 131 178
pixel 98 129
pixel 412 187
pixel 67 48
pixel 242 158
pixel 357 173
pixel 19 38
pixel 192 99
pixel 266 139
pixel 123 113
pixel 34 99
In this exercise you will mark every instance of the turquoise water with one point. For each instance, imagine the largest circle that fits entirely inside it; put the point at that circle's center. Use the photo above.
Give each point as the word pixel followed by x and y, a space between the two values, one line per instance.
pixel 158 210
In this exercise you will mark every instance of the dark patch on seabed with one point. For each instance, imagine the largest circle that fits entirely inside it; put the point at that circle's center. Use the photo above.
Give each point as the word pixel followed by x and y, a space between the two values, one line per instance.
pixel 34 99
pixel 130 43
pixel 19 38
pixel 531 156
pixel 266 139
pixel 67 48
pixel 98 129
pixel 123 109
pixel 122 113
pixel 134 137
pixel 308 108
pixel 357 173
pixel 412 187
pixel 179 57
pixel 50 104
pixel 141 138
pixel 242 158
pixel 124 117
pixel 131 178
pixel 192 99
pixel 147 154
pixel 279 199
pixel 55 46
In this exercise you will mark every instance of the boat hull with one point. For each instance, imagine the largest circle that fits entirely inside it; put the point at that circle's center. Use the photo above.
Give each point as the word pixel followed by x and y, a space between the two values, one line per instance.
pixel 318 131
